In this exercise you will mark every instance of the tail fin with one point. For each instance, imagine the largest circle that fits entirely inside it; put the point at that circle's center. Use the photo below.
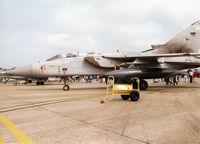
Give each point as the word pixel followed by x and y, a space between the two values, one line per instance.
pixel 186 41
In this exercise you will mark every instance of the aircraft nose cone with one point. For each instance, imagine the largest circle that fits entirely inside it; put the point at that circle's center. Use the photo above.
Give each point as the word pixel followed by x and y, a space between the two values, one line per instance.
pixel 21 71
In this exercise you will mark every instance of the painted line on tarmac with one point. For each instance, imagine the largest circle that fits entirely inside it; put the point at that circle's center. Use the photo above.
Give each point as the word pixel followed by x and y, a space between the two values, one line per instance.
pixel 36 97
pixel 1 140
pixel 20 136
pixel 45 103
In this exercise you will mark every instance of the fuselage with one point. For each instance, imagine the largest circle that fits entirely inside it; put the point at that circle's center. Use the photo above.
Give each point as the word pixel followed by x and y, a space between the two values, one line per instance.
pixel 58 68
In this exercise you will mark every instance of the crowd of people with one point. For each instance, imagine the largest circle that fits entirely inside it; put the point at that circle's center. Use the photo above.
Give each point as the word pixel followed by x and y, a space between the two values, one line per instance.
pixel 89 79
pixel 191 76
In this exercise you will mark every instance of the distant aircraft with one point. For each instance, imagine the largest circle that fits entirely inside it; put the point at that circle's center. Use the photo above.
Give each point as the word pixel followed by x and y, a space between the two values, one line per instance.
pixel 27 79
pixel 162 61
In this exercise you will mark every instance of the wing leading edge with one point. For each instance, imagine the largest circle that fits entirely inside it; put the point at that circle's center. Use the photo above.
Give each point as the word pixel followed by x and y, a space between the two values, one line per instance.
pixel 124 57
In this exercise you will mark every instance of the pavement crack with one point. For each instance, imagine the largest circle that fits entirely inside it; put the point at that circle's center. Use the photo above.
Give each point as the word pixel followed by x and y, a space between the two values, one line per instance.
pixel 125 125
pixel 90 124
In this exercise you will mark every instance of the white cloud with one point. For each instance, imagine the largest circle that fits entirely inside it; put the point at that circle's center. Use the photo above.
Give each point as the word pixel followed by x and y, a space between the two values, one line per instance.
pixel 77 18
pixel 50 39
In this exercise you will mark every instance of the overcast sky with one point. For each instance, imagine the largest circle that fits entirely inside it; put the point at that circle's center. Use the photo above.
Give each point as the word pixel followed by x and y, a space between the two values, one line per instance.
pixel 34 30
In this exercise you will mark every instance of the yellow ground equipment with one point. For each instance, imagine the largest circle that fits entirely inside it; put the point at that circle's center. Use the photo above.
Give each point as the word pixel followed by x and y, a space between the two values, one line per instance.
pixel 126 90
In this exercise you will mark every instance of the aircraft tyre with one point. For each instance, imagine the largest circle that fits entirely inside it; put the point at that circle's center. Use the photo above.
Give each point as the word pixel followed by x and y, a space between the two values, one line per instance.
pixel 125 97
pixel 66 87
pixel 42 83
pixel 143 84
pixel 134 96
pixel 37 83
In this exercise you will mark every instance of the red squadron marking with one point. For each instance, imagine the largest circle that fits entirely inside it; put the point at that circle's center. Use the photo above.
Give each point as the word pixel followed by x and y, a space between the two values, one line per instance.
pixel 41 68
pixel 58 69
pixel 64 70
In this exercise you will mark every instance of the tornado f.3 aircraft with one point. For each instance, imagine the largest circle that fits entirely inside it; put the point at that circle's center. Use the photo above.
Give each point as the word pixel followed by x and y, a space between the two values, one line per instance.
pixel 162 61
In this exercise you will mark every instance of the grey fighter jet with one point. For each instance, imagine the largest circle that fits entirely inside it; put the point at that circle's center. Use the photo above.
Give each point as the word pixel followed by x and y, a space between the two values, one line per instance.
pixel 162 61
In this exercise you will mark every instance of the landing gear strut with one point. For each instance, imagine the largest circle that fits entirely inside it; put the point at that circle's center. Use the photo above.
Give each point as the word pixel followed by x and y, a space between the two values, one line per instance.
pixel 66 86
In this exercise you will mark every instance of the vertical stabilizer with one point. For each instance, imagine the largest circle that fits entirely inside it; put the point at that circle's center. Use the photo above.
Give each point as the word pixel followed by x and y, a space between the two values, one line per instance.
pixel 186 41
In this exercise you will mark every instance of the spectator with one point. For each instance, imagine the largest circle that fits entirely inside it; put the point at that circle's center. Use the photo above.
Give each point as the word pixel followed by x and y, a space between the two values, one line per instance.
pixel 195 76
pixel 186 78
pixel 82 79
pixel 175 80
pixel 191 73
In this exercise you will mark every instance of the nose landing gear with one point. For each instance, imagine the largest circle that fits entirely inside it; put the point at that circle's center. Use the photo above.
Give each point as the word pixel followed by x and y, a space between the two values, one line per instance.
pixel 66 87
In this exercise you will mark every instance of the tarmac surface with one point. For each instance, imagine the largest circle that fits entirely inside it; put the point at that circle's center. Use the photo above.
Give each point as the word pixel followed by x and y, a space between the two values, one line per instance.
pixel 48 115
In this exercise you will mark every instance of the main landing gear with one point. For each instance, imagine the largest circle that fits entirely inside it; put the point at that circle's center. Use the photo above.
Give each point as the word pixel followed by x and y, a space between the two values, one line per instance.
pixel 40 83
pixel 143 84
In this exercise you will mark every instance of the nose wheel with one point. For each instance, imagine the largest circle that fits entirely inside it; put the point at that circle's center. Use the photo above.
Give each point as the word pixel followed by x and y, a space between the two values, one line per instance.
pixel 66 87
